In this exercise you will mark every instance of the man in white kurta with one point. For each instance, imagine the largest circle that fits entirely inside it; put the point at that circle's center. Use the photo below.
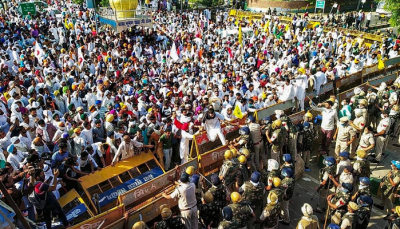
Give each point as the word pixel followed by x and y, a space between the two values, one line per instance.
pixel 212 125
pixel 127 148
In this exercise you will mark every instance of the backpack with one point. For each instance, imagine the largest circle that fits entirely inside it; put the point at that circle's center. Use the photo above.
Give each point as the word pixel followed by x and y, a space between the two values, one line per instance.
pixel 37 201
pixel 361 218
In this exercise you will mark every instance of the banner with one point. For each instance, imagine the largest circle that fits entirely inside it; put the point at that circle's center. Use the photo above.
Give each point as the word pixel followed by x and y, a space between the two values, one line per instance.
pixel 211 162
pixel 141 194
pixel 112 194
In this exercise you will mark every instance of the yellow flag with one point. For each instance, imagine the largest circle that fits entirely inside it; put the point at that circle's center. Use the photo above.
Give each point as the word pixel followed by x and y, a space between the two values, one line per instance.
pixel 237 112
pixel 256 32
pixel 66 24
pixel 381 65
pixel 287 27
pixel 240 35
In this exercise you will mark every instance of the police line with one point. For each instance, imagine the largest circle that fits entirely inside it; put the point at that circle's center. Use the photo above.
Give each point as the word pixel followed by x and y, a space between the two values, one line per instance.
pixel 129 203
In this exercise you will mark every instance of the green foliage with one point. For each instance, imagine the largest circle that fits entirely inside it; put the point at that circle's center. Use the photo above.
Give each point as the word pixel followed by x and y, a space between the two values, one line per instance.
pixel 104 3
pixel 393 6
pixel 78 1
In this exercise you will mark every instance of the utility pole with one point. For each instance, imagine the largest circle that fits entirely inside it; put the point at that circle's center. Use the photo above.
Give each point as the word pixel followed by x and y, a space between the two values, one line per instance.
pixel 12 204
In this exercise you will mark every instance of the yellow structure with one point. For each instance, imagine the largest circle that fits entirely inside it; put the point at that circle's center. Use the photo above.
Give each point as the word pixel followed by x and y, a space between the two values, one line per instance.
pixel 124 8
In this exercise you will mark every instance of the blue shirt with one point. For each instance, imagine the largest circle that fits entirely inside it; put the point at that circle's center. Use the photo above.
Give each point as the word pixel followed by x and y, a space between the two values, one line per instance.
pixel 57 157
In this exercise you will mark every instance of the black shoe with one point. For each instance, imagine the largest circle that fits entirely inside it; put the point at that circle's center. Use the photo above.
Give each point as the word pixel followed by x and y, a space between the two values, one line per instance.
pixel 397 145
pixel 379 206
pixel 374 160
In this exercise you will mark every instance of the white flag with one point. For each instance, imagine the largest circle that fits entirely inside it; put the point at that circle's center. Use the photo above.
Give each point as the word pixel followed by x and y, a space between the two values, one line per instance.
pixel 174 54
pixel 38 51
pixel 81 58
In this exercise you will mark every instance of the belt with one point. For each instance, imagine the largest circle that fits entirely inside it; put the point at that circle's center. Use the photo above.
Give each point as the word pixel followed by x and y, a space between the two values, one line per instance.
pixel 187 209
pixel 363 147
pixel 257 143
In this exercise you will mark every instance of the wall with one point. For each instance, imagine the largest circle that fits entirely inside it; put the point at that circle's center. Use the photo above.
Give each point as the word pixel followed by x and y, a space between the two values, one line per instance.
pixel 277 4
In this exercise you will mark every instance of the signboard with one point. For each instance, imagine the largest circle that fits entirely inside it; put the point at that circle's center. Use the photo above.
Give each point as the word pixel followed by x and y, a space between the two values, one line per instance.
pixel 392 61
pixel 112 194
pixel 27 7
pixel 90 4
pixel 263 113
pixel 210 162
pixel 320 4
pixel 148 190
pixel 108 217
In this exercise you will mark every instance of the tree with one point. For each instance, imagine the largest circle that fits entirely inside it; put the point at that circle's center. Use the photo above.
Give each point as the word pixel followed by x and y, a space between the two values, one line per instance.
pixel 393 6
pixel 80 2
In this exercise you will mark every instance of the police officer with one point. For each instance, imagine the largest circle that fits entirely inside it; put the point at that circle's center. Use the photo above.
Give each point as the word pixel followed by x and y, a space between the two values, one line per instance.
pixel 271 172
pixel 218 191
pixel 241 210
pixel 186 192
pixel 287 185
pixel 291 131
pixel 325 182
pixel 208 211
pixel 274 185
pixel 307 141
pixel 367 141
pixel 246 144
pixel 393 218
pixel 348 219
pixel 389 185
pixel 253 192
pixel 228 222
pixel 333 226
pixel 345 136
pixel 338 201
pixel 364 212
pixel 355 98
pixel 199 192
pixel 381 136
pixel 244 171
pixel 270 214
pixel 229 171
pixel 361 166
pixel 276 139
pixel 358 124
pixel 362 189
pixel 308 221
pixel 255 133
pixel 140 225
pixel 167 220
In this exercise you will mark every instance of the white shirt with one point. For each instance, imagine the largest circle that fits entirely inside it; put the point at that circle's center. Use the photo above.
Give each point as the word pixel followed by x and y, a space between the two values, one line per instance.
pixel 384 125
pixel 127 151
pixel 329 117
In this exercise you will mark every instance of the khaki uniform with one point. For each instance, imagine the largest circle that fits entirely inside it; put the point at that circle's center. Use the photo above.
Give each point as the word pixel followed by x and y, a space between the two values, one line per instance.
pixel 187 204
pixel 343 136
pixel 277 141
pixel 347 221
pixel 308 223
pixel 255 133
pixel 366 140
pixel 360 123
pixel 381 141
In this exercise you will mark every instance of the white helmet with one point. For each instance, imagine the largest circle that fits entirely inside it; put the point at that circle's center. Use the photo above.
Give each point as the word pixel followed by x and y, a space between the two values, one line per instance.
pixel 358 112
pixel 307 210
pixel 272 165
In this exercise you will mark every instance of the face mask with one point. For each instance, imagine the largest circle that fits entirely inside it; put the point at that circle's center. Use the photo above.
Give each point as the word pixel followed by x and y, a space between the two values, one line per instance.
pixel 278 116
pixel 361 186
pixel 343 190
pixel 343 103
pixel 383 116
pixel 343 124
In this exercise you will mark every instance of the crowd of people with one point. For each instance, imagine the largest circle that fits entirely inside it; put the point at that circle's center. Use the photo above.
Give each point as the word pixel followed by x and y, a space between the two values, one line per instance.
pixel 77 97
